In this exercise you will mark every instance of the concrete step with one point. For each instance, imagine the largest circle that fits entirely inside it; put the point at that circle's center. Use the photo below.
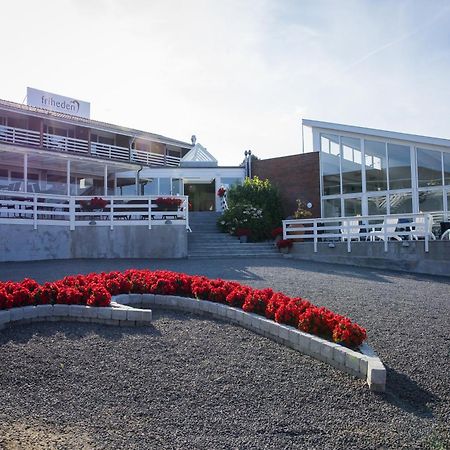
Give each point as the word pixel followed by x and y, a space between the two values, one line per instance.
pixel 231 245
pixel 243 255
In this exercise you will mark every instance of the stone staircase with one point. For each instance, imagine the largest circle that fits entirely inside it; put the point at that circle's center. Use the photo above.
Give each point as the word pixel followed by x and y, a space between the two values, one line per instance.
pixel 206 241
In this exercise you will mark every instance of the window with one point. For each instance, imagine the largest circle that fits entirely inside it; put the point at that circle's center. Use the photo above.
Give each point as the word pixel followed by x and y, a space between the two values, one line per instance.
pixel 332 207
pixel 352 207
pixel 429 168
pixel 164 186
pixel 377 206
pixel 376 165
pixel 400 203
pixel 331 179
pixel 351 165
pixel 430 201
pixel 149 186
pixel 447 168
pixel 399 157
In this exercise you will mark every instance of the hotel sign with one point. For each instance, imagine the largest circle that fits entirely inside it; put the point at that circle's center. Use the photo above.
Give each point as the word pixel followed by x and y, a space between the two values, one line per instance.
pixel 58 103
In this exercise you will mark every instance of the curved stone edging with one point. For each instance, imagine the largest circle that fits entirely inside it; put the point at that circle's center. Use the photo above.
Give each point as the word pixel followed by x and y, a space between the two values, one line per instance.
pixel 116 314
pixel 364 364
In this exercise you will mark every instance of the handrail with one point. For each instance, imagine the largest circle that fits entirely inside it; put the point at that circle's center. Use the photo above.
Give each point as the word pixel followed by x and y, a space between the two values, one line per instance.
pixel 74 211
pixel 399 227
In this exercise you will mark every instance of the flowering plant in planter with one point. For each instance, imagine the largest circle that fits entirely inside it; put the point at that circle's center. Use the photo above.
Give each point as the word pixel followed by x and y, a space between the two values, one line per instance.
pixel 278 231
pixel 96 290
pixel 284 243
pixel 93 203
pixel 168 203
pixel 221 191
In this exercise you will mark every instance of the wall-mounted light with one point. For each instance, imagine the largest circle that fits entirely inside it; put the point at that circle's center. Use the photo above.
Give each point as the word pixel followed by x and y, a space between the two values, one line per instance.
pixel 309 205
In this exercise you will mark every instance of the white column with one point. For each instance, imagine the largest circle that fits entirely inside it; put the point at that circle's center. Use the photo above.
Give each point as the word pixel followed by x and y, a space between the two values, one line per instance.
pixel 68 177
pixel 25 172
pixel 105 181
pixel 218 200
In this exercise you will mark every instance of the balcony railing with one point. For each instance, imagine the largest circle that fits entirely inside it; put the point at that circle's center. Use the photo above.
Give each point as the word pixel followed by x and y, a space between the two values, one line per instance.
pixel 32 138
pixel 394 227
pixel 70 211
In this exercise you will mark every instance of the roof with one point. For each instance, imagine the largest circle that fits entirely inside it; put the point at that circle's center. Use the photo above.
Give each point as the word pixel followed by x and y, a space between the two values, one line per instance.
pixel 198 156
pixel 378 133
pixel 81 121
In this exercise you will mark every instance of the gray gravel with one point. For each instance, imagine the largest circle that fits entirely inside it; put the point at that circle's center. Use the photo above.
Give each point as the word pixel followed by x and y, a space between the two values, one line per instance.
pixel 188 382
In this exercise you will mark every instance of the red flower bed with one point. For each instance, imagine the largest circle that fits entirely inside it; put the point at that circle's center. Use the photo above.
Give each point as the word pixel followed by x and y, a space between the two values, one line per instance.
pixel 96 290
pixel 284 243
pixel 168 202
pixel 277 232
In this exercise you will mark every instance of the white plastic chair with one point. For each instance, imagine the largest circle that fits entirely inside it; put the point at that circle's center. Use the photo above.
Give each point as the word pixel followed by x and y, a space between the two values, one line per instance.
pixel 350 228
pixel 421 230
pixel 390 223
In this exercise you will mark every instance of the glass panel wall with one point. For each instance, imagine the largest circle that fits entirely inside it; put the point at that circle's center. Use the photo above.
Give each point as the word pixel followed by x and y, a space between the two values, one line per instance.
pixel 331 207
pixel 164 186
pixel 351 165
pixel 430 201
pixel 400 203
pixel 447 168
pixel 352 206
pixel 376 165
pixel 399 158
pixel 149 186
pixel 377 206
pixel 331 179
pixel 429 168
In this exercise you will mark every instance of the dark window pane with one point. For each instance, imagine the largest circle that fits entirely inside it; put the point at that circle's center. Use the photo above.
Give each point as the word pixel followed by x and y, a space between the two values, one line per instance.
pixel 429 167
pixel 399 157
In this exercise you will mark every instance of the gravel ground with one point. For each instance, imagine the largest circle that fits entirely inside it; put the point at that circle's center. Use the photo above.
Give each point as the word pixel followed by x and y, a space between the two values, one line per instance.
pixel 187 382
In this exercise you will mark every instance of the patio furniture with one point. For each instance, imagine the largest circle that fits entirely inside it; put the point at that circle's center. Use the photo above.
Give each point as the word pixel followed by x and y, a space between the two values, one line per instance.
pixel 350 228
pixel 390 226
pixel 422 229
pixel 445 231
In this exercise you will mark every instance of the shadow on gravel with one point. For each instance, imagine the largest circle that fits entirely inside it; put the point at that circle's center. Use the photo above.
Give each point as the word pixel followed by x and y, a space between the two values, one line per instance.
pixel 407 395
pixel 72 331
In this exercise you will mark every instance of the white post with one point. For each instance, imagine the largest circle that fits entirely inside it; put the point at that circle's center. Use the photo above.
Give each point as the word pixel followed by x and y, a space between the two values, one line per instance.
pixel 149 200
pixel 427 235
pixel 111 213
pixel 385 234
pixel 35 211
pixel 72 213
pixel 315 235
pixel 25 172
pixel 186 212
pixel 68 177
pixel 105 181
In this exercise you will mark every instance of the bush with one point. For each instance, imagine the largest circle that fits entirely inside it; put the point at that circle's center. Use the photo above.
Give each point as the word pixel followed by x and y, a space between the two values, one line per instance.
pixel 256 205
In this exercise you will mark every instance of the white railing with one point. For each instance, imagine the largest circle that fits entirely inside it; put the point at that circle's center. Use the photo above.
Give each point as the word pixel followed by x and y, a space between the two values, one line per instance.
pixel 20 136
pixel 43 209
pixel 397 227
pixel 154 159
pixel 65 144
pixel 109 151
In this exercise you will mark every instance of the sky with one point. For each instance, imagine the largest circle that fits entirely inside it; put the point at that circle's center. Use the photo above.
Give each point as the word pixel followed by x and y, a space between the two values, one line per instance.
pixel 239 74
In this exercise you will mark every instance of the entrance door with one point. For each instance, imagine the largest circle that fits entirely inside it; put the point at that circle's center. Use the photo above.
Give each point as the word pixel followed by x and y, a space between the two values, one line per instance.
pixel 202 196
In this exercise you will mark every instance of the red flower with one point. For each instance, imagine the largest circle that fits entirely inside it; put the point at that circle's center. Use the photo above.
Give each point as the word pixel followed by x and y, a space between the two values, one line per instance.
pixel 221 191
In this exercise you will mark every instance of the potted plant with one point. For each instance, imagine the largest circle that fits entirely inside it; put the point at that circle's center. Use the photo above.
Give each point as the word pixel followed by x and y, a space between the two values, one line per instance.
pixel 221 192
pixel 284 245
pixel 168 203
pixel 277 234
pixel 243 234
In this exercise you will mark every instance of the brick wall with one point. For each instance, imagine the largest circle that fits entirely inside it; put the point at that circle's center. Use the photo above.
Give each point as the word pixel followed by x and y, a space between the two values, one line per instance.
pixel 295 176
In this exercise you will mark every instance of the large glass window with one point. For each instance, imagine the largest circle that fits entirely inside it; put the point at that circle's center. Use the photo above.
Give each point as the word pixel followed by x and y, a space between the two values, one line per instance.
pixel 399 157
pixel 176 186
pixel 4 179
pixel 351 165
pixel 331 179
pixel 447 168
pixel 429 167
pixel 376 166
pixel 377 206
pixel 150 186
pixel 352 207
pixel 400 203
pixel 332 207
pixel 430 201
pixel 164 186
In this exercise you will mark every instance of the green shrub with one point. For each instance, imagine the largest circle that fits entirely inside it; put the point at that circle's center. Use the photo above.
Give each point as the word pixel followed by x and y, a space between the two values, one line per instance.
pixel 255 205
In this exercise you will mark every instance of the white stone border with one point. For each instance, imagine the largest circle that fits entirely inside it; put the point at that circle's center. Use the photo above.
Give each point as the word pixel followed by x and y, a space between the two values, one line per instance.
pixel 115 314
pixel 364 364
